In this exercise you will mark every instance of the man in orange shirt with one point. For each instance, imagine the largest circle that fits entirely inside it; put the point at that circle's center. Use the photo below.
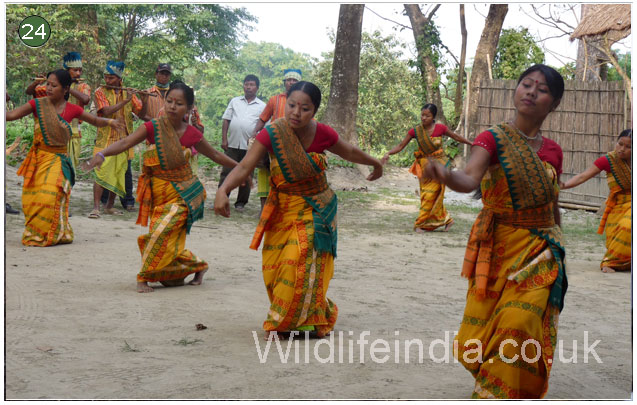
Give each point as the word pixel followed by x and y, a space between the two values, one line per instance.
pixel 275 109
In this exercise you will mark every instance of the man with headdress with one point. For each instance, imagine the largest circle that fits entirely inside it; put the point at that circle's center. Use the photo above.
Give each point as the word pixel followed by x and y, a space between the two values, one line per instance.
pixel 80 94
pixel 113 101
pixel 275 109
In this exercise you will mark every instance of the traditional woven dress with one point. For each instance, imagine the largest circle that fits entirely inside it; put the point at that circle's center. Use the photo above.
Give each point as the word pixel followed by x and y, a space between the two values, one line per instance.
pixel 299 224
pixel 48 176
pixel 172 196
pixel 517 281
pixel 617 215
pixel 433 213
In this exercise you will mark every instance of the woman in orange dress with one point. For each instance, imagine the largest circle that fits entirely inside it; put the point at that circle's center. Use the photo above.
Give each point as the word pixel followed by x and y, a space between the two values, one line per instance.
pixel 48 170
pixel 432 193
pixel 168 191
pixel 617 219
pixel 298 221
pixel 515 256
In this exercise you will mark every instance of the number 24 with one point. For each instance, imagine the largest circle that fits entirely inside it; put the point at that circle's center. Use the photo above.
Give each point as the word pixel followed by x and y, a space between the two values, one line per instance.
pixel 40 31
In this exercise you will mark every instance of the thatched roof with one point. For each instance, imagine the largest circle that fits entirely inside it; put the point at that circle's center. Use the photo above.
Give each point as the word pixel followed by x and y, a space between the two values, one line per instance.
pixel 613 19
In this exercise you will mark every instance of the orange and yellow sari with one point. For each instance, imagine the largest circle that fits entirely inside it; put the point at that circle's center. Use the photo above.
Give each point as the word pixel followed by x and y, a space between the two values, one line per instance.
pixel 433 213
pixel 515 265
pixel 172 196
pixel 617 215
pixel 48 178
pixel 299 224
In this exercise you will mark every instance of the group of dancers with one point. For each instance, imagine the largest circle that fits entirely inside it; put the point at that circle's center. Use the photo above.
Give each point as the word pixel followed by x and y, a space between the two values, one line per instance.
pixel 514 259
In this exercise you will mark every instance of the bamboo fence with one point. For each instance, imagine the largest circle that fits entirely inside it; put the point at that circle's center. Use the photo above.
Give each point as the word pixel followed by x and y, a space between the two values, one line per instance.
pixel 586 125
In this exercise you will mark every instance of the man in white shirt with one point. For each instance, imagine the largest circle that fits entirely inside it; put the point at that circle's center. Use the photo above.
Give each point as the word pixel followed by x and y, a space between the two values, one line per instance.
pixel 240 119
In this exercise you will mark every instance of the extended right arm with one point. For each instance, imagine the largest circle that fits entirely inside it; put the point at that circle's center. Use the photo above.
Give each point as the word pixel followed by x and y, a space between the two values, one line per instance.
pixel 581 178
pixel 396 149
pixel 16 114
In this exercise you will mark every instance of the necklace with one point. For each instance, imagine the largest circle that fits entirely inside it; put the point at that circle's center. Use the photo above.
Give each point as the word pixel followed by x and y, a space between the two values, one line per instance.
pixel 530 138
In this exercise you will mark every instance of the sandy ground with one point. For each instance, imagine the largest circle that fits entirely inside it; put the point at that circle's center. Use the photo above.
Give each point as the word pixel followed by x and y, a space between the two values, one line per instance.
pixel 76 328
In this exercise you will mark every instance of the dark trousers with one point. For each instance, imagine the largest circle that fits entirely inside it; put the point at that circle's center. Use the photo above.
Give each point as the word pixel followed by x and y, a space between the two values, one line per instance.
pixel 129 199
pixel 244 191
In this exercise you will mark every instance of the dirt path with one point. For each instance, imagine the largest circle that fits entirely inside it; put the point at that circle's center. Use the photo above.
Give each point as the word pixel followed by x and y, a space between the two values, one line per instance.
pixel 76 328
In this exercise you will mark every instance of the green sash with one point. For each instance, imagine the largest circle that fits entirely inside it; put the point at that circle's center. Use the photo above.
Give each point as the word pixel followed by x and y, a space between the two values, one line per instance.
pixel 56 132
pixel 425 143
pixel 171 157
pixel 620 171
pixel 297 166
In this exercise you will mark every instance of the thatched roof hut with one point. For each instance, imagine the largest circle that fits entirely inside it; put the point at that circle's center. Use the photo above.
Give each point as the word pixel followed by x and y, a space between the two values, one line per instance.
pixel 600 19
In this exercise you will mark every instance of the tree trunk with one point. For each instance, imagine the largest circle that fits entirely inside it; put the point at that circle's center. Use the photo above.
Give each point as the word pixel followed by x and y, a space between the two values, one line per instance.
pixel 463 55
pixel 487 46
pixel 343 101
pixel 591 62
pixel 428 69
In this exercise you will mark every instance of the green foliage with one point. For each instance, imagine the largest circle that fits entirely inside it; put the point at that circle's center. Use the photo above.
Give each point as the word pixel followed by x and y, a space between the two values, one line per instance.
pixel 517 50
pixel 624 61
pixel 141 35
pixel 388 101
pixel 219 80
pixel 567 71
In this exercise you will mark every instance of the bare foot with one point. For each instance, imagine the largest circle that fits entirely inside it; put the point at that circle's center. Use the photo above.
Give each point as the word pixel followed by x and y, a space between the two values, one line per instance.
pixel 607 269
pixel 419 230
pixel 448 226
pixel 198 280
pixel 173 283
pixel 143 287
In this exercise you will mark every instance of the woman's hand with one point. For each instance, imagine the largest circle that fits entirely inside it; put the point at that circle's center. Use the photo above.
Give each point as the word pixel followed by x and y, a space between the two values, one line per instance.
pixel 385 158
pixel 562 185
pixel 377 172
pixel 96 161
pixel 436 171
pixel 117 124
pixel 222 204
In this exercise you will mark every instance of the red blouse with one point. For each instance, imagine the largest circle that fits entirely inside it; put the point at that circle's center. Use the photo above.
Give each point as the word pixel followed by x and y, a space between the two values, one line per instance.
pixel 324 138
pixel 550 151
pixel 439 130
pixel 70 111
pixel 603 164
pixel 191 136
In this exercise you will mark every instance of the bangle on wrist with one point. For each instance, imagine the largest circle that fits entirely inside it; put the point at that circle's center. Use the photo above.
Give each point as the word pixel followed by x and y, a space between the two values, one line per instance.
pixel 100 154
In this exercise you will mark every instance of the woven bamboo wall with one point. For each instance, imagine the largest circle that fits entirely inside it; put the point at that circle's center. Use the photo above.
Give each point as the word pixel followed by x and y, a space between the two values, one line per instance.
pixel 586 125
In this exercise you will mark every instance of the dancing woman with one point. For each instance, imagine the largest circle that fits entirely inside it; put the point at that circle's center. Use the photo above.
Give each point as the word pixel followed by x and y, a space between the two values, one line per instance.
pixel 429 137
pixel 299 216
pixel 617 216
pixel 48 171
pixel 168 191
pixel 515 256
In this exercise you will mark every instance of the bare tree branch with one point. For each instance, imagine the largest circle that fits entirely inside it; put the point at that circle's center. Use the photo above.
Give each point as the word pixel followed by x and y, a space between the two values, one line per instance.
pixel 431 14
pixel 387 19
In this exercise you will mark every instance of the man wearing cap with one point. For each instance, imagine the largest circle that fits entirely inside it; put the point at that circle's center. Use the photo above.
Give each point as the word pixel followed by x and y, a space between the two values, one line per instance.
pixel 79 94
pixel 162 82
pixel 119 104
pixel 274 110
pixel 240 119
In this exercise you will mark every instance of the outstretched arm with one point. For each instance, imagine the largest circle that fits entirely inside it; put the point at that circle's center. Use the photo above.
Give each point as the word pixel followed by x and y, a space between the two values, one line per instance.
pixel 580 178
pixel 211 153
pixel 355 155
pixel 118 147
pixel 462 181
pixel 396 149
pixel 236 177
pixel 16 114
pixel 457 138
